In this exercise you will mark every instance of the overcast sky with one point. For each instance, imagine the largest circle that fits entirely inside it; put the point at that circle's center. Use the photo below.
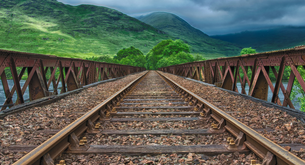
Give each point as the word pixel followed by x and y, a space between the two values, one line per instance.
pixel 215 16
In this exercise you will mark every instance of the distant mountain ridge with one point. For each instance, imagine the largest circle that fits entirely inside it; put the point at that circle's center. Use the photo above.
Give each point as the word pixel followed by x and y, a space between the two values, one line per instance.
pixel 180 29
pixel 268 40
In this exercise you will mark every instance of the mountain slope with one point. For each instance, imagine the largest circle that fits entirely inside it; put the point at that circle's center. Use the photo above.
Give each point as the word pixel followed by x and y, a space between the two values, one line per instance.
pixel 267 40
pixel 179 28
pixel 51 27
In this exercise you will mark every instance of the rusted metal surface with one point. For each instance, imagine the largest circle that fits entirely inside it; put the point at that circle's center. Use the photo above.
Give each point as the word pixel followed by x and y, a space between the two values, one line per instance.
pixel 245 136
pixel 224 72
pixel 44 70
pixel 246 139
pixel 66 138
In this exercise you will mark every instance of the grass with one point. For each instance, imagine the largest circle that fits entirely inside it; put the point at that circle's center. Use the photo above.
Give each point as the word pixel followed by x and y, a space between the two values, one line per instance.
pixel 50 27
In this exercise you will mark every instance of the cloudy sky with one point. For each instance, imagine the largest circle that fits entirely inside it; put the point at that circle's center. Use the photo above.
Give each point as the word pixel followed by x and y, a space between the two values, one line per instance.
pixel 215 16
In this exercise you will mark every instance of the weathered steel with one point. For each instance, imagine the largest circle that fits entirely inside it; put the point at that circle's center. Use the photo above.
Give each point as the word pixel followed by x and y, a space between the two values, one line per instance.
pixel 42 70
pixel 224 72
pixel 245 136
pixel 157 149
pixel 64 139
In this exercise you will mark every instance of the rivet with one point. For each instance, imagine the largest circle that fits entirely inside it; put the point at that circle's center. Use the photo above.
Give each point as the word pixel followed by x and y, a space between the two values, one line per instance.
pixel 232 143
pixel 215 126
pixel 253 162
pixel 81 143
pixel 62 162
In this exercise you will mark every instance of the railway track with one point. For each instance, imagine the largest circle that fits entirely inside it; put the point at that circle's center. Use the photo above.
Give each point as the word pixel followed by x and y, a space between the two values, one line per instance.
pixel 153 115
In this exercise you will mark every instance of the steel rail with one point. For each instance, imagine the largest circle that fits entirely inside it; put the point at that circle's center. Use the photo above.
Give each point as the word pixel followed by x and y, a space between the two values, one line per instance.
pixel 246 136
pixel 60 141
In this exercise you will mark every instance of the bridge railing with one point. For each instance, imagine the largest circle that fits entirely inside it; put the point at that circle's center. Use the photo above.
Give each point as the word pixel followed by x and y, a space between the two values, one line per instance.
pixel 227 72
pixel 45 75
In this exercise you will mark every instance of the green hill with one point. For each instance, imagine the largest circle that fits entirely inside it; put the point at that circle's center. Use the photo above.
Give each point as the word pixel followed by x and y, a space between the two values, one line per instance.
pixel 51 27
pixel 267 40
pixel 180 29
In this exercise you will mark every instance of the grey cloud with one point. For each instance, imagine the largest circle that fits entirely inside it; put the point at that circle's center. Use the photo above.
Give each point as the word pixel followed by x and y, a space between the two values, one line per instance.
pixel 216 16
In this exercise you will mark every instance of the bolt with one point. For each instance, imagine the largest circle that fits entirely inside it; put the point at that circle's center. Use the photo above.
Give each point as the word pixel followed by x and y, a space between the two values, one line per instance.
pixel 113 110
pixel 232 143
pixel 253 162
pixel 84 139
pixel 215 126
pixel 62 162
pixel 97 125
pixel 81 142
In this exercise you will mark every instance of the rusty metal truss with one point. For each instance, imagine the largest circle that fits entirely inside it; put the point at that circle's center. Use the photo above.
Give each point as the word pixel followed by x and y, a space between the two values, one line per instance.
pixel 226 73
pixel 71 73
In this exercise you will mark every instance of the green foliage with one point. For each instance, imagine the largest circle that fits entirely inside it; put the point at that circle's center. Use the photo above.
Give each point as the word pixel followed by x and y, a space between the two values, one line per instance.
pixel 176 47
pixel 198 57
pixel 134 60
pixel 103 58
pixel 175 59
pixel 131 56
pixel 123 53
pixel 166 49
pixel 247 51
pixel 297 91
pixel 51 27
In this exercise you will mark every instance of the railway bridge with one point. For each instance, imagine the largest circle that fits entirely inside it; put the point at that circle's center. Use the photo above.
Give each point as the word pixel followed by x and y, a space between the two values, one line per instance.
pixel 73 111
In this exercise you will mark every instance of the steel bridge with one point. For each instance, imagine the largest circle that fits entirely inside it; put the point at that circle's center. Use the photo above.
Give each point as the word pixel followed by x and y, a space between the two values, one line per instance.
pixel 72 73
pixel 226 73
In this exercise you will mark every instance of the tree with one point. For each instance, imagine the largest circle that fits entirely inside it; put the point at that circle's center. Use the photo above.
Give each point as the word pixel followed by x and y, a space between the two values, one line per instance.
pixel 247 51
pixel 131 56
pixel 198 57
pixel 165 49
pixel 176 47
pixel 102 58
pixel 126 52
pixel 175 59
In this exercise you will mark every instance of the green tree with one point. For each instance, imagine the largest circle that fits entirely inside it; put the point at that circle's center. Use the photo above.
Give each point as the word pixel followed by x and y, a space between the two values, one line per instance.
pixel 165 49
pixel 134 60
pixel 247 51
pixel 198 57
pixel 175 59
pixel 130 56
pixel 103 58
pixel 176 47
pixel 123 53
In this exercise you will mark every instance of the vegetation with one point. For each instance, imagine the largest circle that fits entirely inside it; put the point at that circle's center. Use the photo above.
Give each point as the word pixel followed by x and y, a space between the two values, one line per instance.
pixel 168 52
pixel 267 40
pixel 131 56
pixel 103 58
pixel 51 27
pixel 297 92
pixel 199 41
pixel 247 51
